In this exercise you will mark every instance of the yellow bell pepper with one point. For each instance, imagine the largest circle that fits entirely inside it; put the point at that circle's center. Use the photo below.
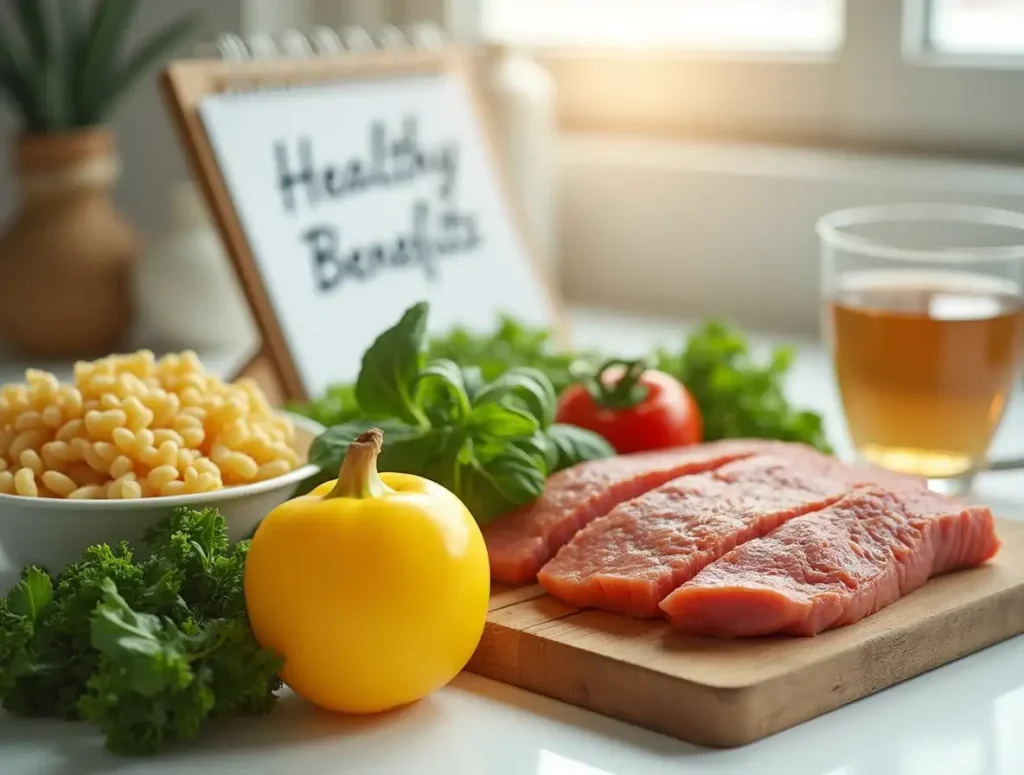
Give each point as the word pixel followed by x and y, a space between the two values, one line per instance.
pixel 373 587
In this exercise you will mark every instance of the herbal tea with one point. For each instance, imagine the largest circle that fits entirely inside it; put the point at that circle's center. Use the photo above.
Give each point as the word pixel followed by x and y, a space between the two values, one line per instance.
pixel 925 363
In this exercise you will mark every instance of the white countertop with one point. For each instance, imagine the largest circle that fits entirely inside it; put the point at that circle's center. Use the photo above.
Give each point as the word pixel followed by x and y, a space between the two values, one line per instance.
pixel 966 718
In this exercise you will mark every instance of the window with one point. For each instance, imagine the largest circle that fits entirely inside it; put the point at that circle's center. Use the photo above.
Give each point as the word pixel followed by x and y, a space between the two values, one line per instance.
pixel 984 27
pixel 919 75
pixel 760 25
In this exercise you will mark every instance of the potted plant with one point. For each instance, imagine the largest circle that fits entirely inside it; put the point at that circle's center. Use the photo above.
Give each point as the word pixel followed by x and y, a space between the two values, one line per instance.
pixel 66 255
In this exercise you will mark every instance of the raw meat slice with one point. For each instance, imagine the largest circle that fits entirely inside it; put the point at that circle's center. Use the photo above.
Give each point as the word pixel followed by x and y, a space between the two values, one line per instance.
pixel 853 475
pixel 630 559
pixel 519 543
pixel 835 566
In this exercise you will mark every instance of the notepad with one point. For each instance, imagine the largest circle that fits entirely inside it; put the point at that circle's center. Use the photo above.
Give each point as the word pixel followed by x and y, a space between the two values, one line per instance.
pixel 349 198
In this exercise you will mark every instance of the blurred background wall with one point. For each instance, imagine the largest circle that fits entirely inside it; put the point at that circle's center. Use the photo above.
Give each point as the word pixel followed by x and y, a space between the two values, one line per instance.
pixel 150 154
pixel 694 153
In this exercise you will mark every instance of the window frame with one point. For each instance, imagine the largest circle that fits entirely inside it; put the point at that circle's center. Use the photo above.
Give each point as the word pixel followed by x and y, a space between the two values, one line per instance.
pixel 884 89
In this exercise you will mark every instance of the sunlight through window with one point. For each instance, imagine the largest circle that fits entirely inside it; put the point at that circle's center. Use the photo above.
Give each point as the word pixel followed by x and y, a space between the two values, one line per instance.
pixel 985 27
pixel 760 25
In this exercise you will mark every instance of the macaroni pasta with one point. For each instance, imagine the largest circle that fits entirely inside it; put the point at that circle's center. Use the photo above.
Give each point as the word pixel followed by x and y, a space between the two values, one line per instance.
pixel 134 426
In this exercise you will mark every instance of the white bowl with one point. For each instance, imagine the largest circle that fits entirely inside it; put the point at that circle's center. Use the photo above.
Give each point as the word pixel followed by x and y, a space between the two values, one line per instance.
pixel 53 532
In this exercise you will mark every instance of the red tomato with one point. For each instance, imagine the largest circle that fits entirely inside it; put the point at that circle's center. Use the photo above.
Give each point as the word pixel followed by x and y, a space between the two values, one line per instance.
pixel 634 409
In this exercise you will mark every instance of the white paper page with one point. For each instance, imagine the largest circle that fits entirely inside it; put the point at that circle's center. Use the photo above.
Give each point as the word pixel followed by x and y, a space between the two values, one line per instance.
pixel 395 169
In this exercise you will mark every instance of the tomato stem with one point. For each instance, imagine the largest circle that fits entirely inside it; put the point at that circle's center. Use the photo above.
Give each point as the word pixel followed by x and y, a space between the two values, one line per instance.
pixel 358 477
pixel 623 393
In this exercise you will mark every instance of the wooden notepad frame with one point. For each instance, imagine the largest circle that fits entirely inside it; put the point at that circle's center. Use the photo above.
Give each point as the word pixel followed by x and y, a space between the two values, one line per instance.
pixel 186 83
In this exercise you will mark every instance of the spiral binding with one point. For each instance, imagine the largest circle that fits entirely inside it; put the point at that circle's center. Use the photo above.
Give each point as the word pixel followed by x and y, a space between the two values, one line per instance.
pixel 319 42
pixel 322 42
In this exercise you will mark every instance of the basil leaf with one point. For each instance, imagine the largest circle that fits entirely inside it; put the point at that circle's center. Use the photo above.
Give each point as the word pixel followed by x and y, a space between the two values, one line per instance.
pixel 483 442
pixel 574 445
pixel 473 380
pixel 446 376
pixel 437 455
pixel 541 448
pixel 503 420
pixel 386 383
pixel 329 448
pixel 505 482
pixel 31 595
pixel 530 386
pixel 430 454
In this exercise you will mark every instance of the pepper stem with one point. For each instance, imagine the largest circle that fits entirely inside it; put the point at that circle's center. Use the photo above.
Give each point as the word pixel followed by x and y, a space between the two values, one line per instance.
pixel 358 477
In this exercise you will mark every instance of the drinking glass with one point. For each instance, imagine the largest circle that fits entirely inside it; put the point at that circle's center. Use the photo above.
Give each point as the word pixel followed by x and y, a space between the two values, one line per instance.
pixel 924 319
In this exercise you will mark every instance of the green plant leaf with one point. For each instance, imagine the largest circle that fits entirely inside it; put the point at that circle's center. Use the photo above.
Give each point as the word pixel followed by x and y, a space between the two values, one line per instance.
pixel 574 445
pixel 17 652
pixel 74 41
pixel 145 690
pixel 390 367
pixel 135 723
pixel 738 396
pixel 406 449
pixel 473 380
pixel 431 454
pixel 32 595
pixel 149 54
pixel 34 25
pixel 446 376
pixel 511 343
pixel 118 631
pixel 17 79
pixel 508 480
pixel 147 649
pixel 526 384
pixel 503 421
pixel 541 448
pixel 107 28
pixel 244 674
pixel 329 448
pixel 53 102
pixel 427 452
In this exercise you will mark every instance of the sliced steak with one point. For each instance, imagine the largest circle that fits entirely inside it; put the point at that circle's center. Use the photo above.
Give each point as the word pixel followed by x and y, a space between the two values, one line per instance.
pixel 835 566
pixel 519 543
pixel 630 559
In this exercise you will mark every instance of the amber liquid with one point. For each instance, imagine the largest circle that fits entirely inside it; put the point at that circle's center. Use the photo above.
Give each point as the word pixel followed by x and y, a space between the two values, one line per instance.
pixel 925 364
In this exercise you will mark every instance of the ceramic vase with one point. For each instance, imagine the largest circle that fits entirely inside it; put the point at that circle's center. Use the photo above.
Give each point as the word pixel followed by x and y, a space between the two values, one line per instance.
pixel 67 255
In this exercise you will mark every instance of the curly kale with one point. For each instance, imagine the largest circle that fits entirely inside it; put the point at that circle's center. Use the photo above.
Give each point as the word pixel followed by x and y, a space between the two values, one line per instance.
pixel 149 649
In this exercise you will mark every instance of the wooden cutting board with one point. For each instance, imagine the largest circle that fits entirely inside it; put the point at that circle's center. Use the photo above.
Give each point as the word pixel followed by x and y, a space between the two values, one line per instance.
pixel 729 693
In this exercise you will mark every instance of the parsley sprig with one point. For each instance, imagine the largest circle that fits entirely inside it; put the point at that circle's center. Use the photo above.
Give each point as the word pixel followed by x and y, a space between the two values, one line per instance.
pixel 148 650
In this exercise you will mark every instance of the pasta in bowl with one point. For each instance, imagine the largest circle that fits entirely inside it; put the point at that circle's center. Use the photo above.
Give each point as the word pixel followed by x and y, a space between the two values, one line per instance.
pixel 100 459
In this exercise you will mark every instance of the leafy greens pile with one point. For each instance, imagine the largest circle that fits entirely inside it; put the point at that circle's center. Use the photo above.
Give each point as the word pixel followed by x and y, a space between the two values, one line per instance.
pixel 493 443
pixel 510 345
pixel 149 649
pixel 738 396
